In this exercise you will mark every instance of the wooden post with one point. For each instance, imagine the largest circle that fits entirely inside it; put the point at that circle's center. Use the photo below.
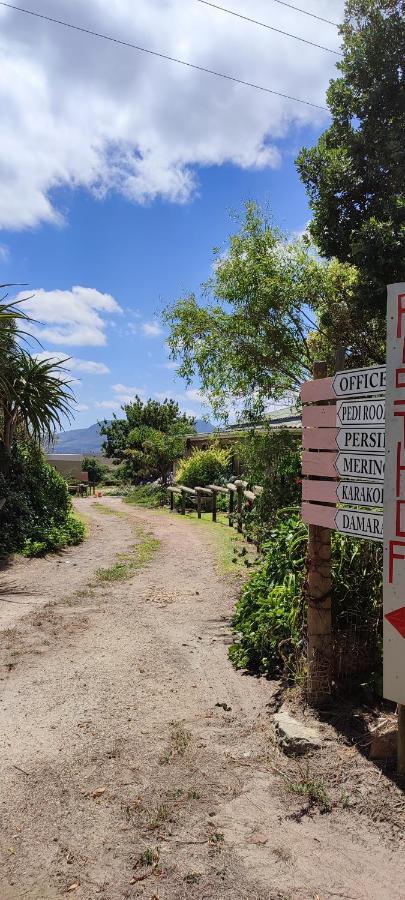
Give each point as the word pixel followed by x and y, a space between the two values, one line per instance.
pixel 401 741
pixel 171 501
pixel 319 604
pixel 230 520
pixel 214 506
pixel 183 503
pixel 240 506
pixel 199 504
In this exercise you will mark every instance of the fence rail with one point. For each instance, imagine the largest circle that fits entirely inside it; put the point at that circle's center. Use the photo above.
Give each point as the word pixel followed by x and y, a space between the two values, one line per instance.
pixel 245 499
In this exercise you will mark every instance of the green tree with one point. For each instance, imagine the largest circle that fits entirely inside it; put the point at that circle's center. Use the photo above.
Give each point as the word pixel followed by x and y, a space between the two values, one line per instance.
pixel 35 398
pixel 355 174
pixel 149 439
pixel 96 469
pixel 250 337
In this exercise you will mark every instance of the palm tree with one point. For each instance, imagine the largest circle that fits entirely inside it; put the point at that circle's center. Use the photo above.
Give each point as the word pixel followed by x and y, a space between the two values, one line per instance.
pixel 36 399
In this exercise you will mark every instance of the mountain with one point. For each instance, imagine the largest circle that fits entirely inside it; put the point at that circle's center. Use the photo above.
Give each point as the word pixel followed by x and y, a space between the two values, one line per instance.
pixel 89 440
pixel 78 440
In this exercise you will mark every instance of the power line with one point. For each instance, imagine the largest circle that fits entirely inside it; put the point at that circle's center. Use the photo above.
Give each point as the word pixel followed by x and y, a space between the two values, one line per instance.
pixel 181 62
pixel 296 37
pixel 307 13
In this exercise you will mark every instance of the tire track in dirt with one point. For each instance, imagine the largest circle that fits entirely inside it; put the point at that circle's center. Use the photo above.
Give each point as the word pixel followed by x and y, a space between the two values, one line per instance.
pixel 131 780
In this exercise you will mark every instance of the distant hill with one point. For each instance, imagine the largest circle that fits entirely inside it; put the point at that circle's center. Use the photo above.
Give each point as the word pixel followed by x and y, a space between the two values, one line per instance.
pixel 89 440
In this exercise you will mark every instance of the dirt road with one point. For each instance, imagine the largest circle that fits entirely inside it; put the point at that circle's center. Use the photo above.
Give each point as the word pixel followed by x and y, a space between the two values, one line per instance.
pixel 135 762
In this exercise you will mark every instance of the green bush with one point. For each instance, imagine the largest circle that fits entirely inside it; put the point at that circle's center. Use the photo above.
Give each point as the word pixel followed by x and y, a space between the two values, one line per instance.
pixel 204 467
pixel 270 616
pixel 37 516
pixel 152 496
pixel 272 459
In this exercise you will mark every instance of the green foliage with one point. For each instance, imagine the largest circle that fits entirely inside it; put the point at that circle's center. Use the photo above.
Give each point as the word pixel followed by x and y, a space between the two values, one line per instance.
pixel 150 495
pixel 355 174
pixel 269 619
pixel 37 516
pixel 149 440
pixel 96 469
pixel 56 537
pixel 36 399
pixel 204 467
pixel 271 458
pixel 246 339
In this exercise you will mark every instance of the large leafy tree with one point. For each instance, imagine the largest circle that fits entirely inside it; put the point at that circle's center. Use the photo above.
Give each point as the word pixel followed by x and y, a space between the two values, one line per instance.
pixel 355 174
pixel 254 333
pixel 149 439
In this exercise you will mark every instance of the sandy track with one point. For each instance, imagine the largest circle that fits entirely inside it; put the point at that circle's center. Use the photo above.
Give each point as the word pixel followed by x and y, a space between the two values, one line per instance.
pixel 121 777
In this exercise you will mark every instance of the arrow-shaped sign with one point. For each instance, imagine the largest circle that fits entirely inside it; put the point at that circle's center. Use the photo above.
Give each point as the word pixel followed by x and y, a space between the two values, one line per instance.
pixel 397 619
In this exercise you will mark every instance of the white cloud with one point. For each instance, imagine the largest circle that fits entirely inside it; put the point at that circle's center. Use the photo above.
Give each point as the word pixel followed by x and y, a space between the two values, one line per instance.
pixel 4 253
pixel 70 318
pixel 108 404
pixel 85 366
pixel 78 111
pixel 81 407
pixel 151 329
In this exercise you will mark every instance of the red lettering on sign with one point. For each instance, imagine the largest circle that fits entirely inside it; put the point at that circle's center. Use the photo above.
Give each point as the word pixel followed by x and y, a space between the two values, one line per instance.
pixel 399 532
pixel 400 313
pixel 399 469
pixel 400 378
pixel 401 412
pixel 392 556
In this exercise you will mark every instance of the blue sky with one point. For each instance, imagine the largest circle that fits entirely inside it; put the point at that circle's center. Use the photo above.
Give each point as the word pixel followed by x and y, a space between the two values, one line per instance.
pixel 129 216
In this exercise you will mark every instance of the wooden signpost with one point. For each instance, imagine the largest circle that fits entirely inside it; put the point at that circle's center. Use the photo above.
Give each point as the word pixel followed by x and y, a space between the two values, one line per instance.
pixel 354 458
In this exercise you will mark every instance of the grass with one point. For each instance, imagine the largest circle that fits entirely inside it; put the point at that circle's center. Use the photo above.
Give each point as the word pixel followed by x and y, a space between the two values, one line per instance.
pixel 179 741
pixel 128 564
pixel 313 789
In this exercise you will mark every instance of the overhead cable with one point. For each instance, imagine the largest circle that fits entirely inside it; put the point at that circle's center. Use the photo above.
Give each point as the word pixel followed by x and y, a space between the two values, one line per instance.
pixel 296 37
pixel 181 62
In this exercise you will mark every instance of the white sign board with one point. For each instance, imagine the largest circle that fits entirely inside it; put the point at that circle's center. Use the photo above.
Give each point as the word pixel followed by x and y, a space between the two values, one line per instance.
pixel 360 412
pixel 360 524
pixel 363 440
pixel 355 382
pixel 394 500
pixel 359 465
pixel 360 493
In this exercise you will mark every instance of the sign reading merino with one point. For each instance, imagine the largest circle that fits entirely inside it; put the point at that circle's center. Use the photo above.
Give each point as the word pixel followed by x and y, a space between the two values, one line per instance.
pixel 351 465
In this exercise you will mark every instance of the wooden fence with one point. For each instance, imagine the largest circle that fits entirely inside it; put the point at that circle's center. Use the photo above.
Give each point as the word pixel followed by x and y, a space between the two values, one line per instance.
pixel 239 499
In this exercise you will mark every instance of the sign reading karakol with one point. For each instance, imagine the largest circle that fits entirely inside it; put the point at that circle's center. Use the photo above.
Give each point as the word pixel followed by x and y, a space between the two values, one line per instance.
pixel 360 493
pixel 394 500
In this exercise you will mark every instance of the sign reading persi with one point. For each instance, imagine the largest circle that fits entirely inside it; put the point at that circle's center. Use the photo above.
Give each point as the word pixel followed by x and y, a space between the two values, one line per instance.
pixel 394 500
pixel 362 439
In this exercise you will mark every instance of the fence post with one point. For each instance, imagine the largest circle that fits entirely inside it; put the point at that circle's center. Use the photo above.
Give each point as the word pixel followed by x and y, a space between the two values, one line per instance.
pixel 198 504
pixel 230 513
pixel 240 506
pixel 171 501
pixel 214 506
pixel 183 503
pixel 319 604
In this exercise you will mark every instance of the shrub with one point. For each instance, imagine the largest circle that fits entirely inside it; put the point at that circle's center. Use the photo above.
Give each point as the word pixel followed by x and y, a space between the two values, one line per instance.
pixel 272 459
pixel 37 515
pixel 204 467
pixel 270 616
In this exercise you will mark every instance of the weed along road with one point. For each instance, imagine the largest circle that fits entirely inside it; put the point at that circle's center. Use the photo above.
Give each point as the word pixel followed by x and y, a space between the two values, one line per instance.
pixel 136 762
